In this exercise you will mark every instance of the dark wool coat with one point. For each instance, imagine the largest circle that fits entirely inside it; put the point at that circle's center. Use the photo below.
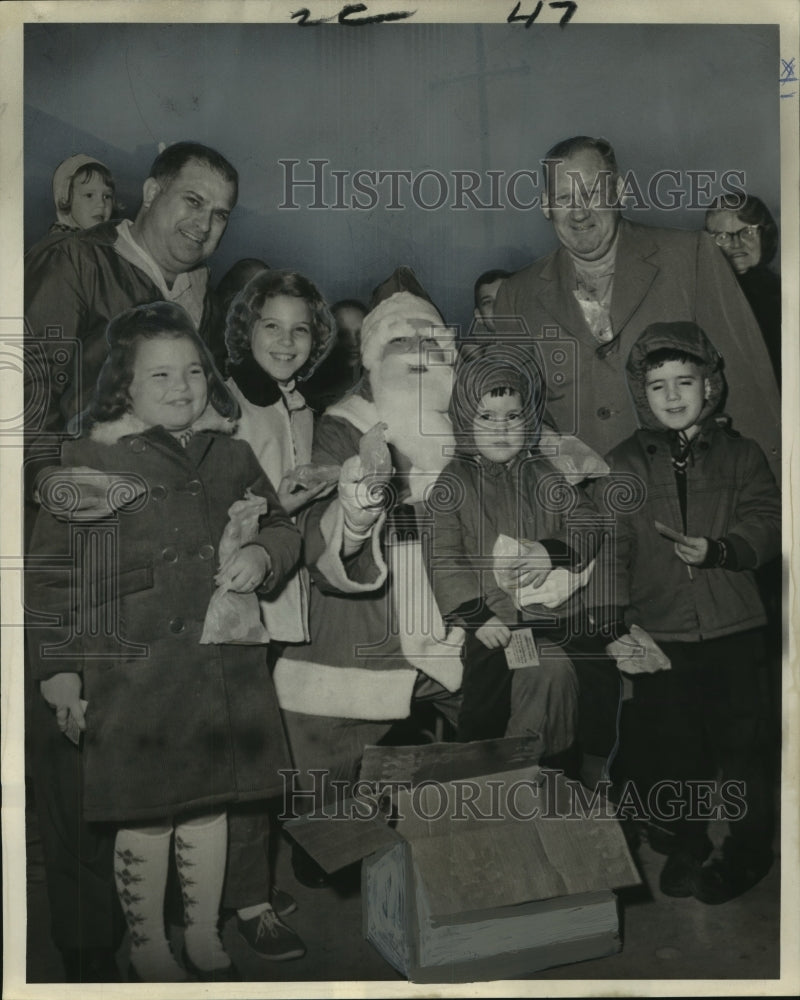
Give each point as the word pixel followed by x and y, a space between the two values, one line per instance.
pixel 172 725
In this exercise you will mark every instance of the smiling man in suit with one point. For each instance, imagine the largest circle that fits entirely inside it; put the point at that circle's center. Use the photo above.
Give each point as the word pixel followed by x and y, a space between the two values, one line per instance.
pixel 607 281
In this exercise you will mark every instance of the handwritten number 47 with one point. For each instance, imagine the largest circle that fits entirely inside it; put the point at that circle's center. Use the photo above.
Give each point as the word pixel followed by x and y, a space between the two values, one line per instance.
pixel 569 7
pixel 346 14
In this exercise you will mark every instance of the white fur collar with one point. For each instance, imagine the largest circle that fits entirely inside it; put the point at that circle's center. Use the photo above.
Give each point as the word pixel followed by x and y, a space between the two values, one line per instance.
pixel 114 430
pixel 356 410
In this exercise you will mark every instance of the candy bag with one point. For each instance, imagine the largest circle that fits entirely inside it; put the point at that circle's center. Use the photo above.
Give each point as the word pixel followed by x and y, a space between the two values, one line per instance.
pixel 236 618
pixel 556 589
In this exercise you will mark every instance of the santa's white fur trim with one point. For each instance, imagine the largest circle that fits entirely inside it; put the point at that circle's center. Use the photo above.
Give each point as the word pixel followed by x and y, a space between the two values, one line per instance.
pixel 343 692
pixel 422 631
pixel 330 562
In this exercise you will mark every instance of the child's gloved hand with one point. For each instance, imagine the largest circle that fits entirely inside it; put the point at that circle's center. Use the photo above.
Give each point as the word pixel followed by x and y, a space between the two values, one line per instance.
pixel 638 653
pixel 294 495
pixel 692 551
pixel 559 585
pixel 361 494
pixel 494 634
pixel 244 569
pixel 63 693
pixel 533 568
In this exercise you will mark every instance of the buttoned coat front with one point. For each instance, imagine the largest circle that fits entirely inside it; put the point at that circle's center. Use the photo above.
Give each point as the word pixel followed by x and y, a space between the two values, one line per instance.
pixel 172 725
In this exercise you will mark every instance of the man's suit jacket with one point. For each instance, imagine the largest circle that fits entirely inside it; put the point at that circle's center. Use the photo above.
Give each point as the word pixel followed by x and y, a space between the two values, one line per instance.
pixel 660 275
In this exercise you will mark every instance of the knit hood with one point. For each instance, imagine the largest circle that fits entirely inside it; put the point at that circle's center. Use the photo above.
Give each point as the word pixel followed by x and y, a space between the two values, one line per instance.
pixel 679 336
pixel 480 375
pixel 62 176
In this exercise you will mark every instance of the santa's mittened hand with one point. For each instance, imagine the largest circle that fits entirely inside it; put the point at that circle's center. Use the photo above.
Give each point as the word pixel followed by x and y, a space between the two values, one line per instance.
pixel 361 494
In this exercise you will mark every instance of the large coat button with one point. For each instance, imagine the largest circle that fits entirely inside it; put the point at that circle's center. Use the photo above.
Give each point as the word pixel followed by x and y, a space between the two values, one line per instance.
pixel 176 625
pixel 206 551
pixel 158 492
pixel 138 445
pixel 604 413
pixel 193 487
pixel 169 554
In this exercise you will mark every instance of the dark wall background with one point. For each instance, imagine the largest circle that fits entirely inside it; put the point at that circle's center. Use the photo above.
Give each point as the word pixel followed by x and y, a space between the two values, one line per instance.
pixel 394 97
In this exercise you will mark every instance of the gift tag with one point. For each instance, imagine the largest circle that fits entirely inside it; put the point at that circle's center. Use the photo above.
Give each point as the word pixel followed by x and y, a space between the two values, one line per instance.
pixel 521 651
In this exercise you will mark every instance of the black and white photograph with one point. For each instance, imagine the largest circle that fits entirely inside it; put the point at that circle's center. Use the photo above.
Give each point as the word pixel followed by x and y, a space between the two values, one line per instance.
pixel 398 438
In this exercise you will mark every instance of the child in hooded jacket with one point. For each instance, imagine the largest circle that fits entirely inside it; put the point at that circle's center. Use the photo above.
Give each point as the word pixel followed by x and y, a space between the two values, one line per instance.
pixel 499 484
pixel 693 590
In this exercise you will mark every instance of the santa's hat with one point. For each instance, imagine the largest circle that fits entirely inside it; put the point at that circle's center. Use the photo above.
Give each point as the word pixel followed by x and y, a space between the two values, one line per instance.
pixel 401 315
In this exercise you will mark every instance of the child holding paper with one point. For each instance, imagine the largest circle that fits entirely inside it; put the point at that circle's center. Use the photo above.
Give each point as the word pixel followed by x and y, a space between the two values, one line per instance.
pixel 502 492
pixel 683 566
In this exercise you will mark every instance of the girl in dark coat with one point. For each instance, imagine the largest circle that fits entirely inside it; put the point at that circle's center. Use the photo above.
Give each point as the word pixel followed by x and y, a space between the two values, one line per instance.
pixel 174 729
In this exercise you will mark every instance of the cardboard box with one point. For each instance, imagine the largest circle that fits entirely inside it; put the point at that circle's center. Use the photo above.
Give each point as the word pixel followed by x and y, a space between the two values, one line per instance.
pixel 478 864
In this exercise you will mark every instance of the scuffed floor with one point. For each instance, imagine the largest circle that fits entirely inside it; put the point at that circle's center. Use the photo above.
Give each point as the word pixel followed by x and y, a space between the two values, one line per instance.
pixel 663 938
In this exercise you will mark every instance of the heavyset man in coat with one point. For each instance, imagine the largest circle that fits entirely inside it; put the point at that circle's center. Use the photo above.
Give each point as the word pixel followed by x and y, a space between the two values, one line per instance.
pixel 608 280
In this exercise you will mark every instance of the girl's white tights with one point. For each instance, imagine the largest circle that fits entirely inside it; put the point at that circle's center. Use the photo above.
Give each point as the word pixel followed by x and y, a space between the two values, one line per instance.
pixel 140 870
pixel 141 858
pixel 201 847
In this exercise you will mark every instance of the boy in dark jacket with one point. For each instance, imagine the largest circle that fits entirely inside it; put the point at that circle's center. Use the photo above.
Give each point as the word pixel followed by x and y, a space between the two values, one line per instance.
pixel 501 485
pixel 683 569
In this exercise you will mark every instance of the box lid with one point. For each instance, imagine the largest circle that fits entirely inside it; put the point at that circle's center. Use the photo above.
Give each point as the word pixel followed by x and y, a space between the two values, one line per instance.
pixel 350 832
pixel 509 838
pixel 449 761
pixel 347 831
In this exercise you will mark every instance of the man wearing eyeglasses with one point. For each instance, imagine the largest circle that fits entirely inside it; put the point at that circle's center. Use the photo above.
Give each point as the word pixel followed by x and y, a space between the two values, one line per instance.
pixel 608 280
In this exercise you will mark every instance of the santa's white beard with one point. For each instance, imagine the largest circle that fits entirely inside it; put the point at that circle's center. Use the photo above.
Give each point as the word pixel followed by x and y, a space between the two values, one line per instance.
pixel 414 408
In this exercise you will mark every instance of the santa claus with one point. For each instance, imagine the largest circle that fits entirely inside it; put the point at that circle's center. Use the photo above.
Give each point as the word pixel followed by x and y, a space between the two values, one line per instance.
pixel 377 638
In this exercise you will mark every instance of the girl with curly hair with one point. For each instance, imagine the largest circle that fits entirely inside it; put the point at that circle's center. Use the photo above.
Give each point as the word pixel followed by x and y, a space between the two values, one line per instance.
pixel 277 332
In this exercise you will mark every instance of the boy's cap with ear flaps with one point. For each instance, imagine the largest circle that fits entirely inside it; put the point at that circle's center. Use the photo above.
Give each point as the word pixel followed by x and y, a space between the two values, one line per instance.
pixel 683 336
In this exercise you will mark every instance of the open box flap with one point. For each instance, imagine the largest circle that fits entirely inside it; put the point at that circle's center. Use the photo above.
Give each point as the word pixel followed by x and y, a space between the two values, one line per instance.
pixel 510 838
pixel 348 834
pixel 449 761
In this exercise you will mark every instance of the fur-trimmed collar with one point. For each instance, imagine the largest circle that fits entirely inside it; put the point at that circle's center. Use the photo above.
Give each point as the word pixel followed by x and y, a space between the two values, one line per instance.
pixel 114 430
pixel 256 385
pixel 361 413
